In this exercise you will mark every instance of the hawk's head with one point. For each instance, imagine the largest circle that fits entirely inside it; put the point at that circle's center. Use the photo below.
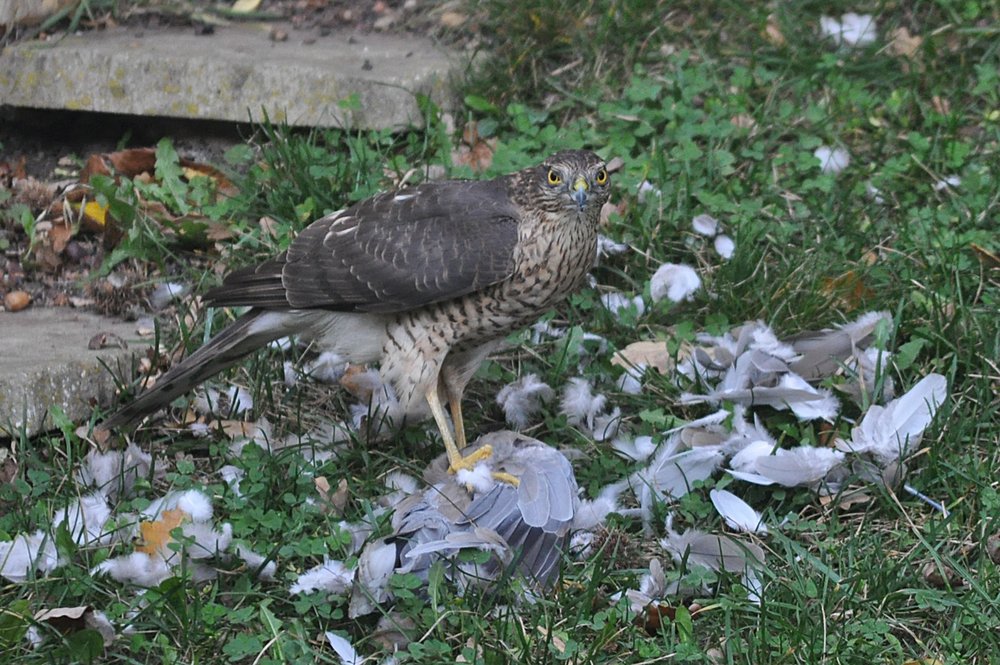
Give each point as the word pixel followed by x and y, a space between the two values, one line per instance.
pixel 575 180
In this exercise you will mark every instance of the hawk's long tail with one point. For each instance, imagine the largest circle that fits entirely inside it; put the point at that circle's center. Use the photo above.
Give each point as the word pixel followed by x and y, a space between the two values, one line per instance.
pixel 241 338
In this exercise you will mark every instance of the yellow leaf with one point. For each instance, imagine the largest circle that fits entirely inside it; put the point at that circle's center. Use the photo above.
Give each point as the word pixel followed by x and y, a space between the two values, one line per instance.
pixel 245 6
pixel 95 215
pixel 156 534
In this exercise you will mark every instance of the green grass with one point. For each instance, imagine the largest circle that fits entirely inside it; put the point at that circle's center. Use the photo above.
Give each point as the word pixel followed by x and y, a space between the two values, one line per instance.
pixel 658 88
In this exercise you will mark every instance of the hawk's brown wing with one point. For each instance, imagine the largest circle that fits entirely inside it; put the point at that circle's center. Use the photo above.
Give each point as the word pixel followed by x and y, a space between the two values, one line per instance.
pixel 390 253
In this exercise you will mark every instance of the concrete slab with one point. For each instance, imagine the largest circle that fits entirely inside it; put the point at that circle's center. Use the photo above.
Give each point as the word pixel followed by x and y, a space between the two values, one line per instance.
pixel 234 74
pixel 45 360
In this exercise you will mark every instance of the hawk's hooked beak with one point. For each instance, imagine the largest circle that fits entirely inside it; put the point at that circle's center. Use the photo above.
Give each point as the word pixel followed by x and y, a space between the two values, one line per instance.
pixel 579 193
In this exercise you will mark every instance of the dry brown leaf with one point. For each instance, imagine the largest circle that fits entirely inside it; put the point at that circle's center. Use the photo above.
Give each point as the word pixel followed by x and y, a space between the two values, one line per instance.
pixel 847 500
pixel 218 231
pixel 193 170
pixel 941 105
pixel 59 236
pixel 71 619
pixel 237 429
pixel 106 340
pixel 15 301
pixel 650 353
pixel 8 466
pixel 610 208
pixel 993 547
pixel 245 6
pixel 772 32
pixel 902 43
pixel 743 121
pixel 452 19
pixel 357 383
pixel 989 260
pixel 269 226
pixel 334 502
pixel 941 576
pixel 129 163
pixel 155 535
pixel 652 617
pixel 848 290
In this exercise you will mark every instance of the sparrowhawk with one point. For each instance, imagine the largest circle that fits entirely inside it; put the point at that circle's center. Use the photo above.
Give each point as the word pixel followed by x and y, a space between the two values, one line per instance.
pixel 426 281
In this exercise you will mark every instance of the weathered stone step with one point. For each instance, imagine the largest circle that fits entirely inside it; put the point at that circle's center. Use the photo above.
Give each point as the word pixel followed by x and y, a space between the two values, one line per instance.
pixel 235 74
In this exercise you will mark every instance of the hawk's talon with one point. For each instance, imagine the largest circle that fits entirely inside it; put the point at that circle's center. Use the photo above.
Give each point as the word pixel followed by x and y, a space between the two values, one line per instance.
pixel 458 462
pixel 504 477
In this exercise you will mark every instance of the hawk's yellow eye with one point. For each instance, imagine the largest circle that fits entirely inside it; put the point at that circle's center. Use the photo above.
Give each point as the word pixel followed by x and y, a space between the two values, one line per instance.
pixel 554 178
pixel 602 177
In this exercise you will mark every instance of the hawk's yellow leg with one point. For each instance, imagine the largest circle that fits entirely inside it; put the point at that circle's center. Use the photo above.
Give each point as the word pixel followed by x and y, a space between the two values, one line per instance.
pixel 456 461
pixel 455 404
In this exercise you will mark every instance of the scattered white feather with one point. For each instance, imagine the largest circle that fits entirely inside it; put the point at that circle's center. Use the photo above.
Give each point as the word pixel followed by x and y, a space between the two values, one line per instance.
pixel 232 475
pixel 874 193
pixel 376 566
pixel 233 402
pixel 327 367
pixel 892 432
pixel 290 374
pixel 724 246
pixel 711 551
pixel 746 458
pixel 359 532
pixel 199 430
pixel 737 513
pixel 653 588
pixel 825 408
pixel 113 473
pixel 617 303
pixel 851 30
pixel 34 637
pixel 591 514
pixel 479 477
pixel 522 400
pixel 195 503
pixel 254 561
pixel 85 519
pixel 579 403
pixel 637 449
pixel 705 225
pixel 672 474
pixel 630 381
pixel 165 293
pixel 592 344
pixel 581 544
pixel 608 247
pixel 206 540
pixel 606 425
pixel 401 482
pixel 951 181
pixel 645 189
pixel 832 160
pixel 281 344
pixel 343 648
pixel 331 576
pixel 542 330
pixel 675 282
pixel 799 466
pixel 137 568
pixel 20 556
